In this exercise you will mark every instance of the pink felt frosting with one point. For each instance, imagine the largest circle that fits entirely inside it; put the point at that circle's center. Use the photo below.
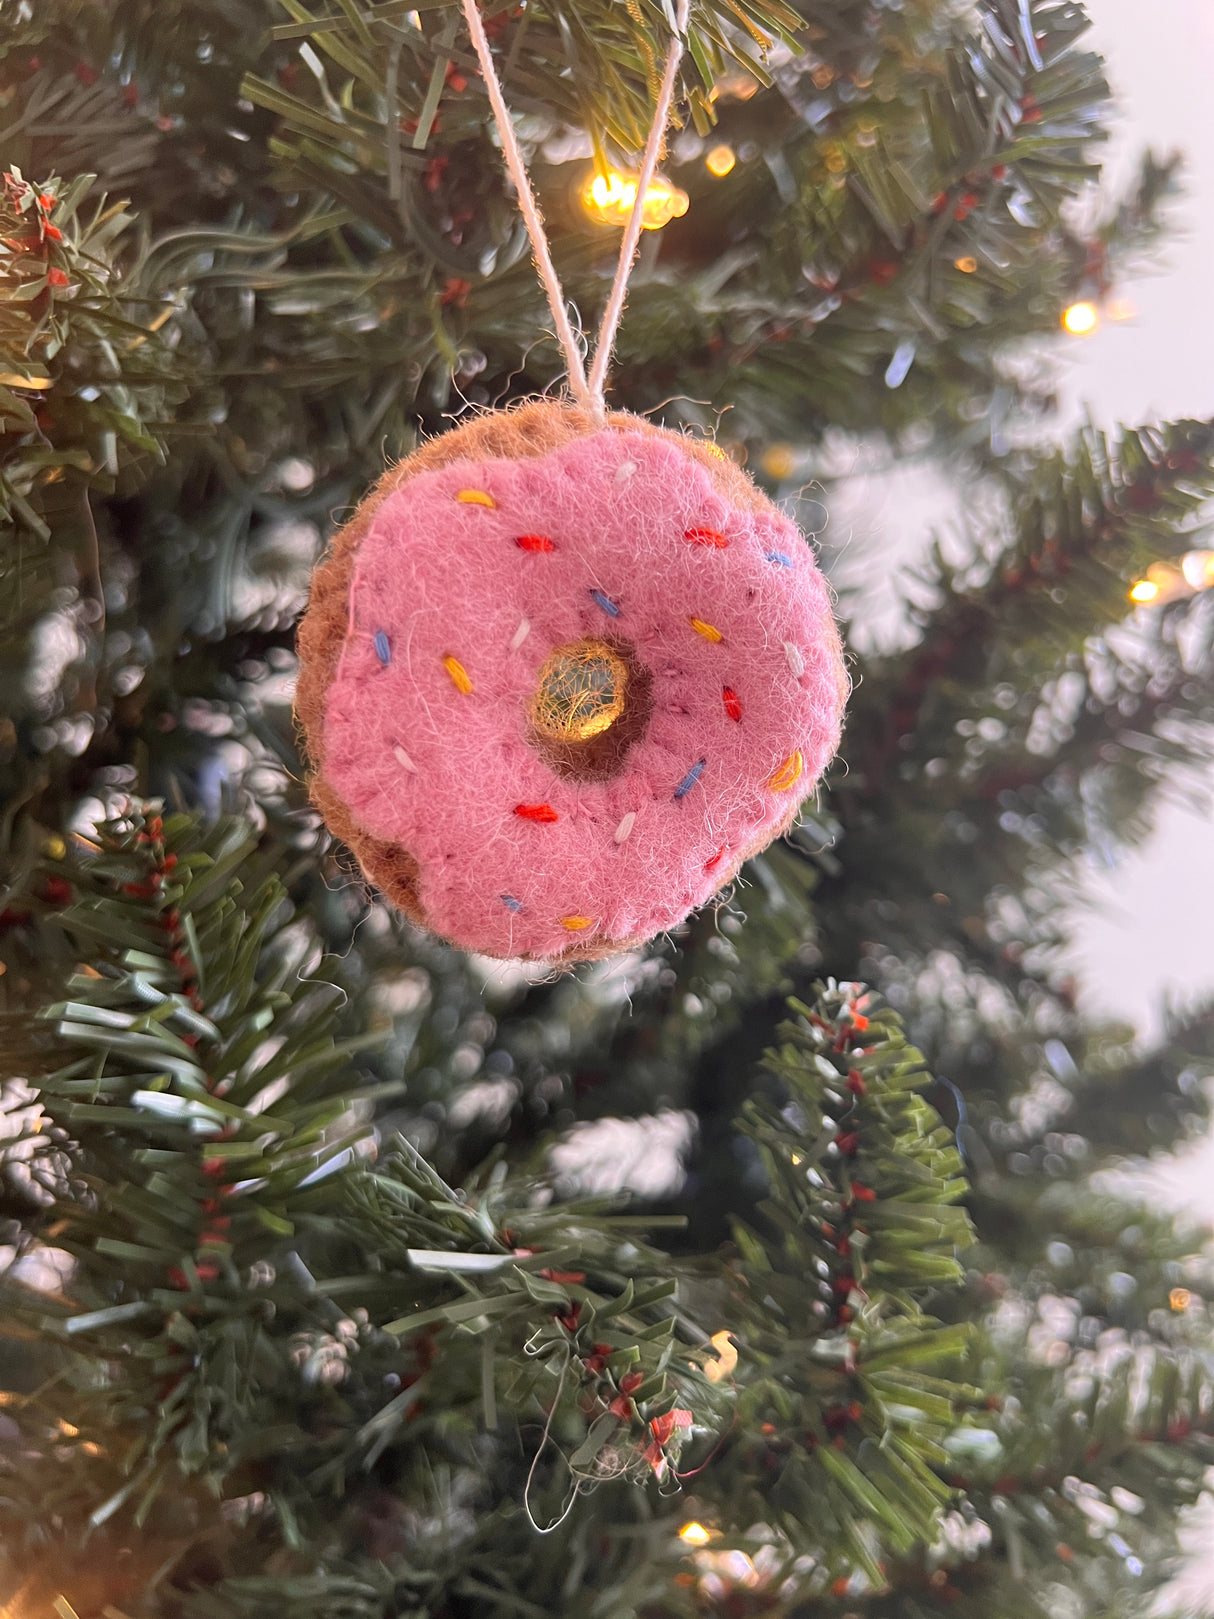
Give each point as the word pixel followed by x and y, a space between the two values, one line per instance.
pixel 441 771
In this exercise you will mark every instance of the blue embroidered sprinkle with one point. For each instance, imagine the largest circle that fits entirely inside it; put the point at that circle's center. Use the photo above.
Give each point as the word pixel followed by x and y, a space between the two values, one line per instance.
pixel 512 904
pixel 383 650
pixel 778 556
pixel 690 779
pixel 605 602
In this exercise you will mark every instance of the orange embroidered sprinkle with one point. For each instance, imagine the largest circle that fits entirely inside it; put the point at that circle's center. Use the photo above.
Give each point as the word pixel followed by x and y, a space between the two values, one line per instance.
pixel 534 542
pixel 788 774
pixel 476 497
pixel 575 924
pixel 536 812
pixel 706 536
pixel 708 631
pixel 460 677
pixel 733 706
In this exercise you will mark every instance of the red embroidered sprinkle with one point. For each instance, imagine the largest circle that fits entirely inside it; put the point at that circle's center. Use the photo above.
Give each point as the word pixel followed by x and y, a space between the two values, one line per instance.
pixel 706 536
pixel 536 812
pixel 733 706
pixel 534 542
pixel 710 865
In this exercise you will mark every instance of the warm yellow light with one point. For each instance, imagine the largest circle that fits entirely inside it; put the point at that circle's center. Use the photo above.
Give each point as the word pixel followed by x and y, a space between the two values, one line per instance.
pixel 694 1534
pixel 1120 309
pixel 1180 1298
pixel 1081 319
pixel 1145 590
pixel 967 265
pixel 716 1370
pixel 778 461
pixel 720 161
pixel 608 199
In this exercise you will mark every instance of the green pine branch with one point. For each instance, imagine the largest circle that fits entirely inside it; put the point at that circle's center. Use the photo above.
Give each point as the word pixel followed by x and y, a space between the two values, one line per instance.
pixel 205 1105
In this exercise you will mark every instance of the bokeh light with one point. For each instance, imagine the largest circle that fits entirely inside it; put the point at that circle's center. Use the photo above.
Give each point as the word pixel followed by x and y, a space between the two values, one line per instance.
pixel 1081 319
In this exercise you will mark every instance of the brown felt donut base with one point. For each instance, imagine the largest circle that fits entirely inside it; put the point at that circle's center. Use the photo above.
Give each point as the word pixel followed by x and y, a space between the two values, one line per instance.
pixel 530 429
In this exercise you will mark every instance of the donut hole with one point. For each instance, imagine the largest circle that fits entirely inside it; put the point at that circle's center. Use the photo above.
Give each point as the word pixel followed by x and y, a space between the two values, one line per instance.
pixel 592 701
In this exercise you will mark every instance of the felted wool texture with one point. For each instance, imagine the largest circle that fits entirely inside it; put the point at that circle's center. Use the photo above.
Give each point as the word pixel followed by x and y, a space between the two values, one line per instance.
pixel 433 578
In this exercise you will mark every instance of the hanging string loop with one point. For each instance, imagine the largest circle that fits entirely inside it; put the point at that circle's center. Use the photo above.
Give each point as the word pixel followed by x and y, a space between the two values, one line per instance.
pixel 587 390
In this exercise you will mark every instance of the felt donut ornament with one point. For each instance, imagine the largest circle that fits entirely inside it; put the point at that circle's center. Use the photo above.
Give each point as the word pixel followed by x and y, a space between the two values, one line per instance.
pixel 561 674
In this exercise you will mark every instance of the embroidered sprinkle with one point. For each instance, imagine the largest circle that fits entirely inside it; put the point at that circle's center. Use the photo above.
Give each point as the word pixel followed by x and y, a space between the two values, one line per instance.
pixel 795 661
pixel 575 924
pixel 383 647
pixel 733 705
pixel 690 779
pixel 536 812
pixel 778 556
pixel 788 774
pixel 708 631
pixel 711 865
pixel 476 497
pixel 460 678
pixel 403 759
pixel 521 634
pixel 625 827
pixel 706 536
pixel 534 542
pixel 605 602
pixel 512 904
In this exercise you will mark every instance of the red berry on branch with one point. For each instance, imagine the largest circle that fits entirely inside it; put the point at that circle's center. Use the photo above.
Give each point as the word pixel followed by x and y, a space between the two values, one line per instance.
pixel 56 891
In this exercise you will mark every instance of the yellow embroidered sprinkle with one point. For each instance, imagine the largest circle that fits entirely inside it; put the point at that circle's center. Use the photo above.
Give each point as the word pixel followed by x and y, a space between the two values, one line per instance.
pixel 476 497
pixel 575 924
pixel 709 631
pixel 460 678
pixel 788 774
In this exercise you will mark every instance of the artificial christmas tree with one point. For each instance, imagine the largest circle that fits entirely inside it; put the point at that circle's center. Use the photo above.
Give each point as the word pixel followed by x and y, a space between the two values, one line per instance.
pixel 342 1279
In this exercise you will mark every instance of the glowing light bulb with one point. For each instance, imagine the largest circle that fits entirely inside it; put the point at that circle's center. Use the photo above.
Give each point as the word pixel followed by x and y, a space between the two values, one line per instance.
pixel 720 161
pixel 1145 590
pixel 609 198
pixel 1081 319
pixel 1180 1298
pixel 967 265
pixel 694 1534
